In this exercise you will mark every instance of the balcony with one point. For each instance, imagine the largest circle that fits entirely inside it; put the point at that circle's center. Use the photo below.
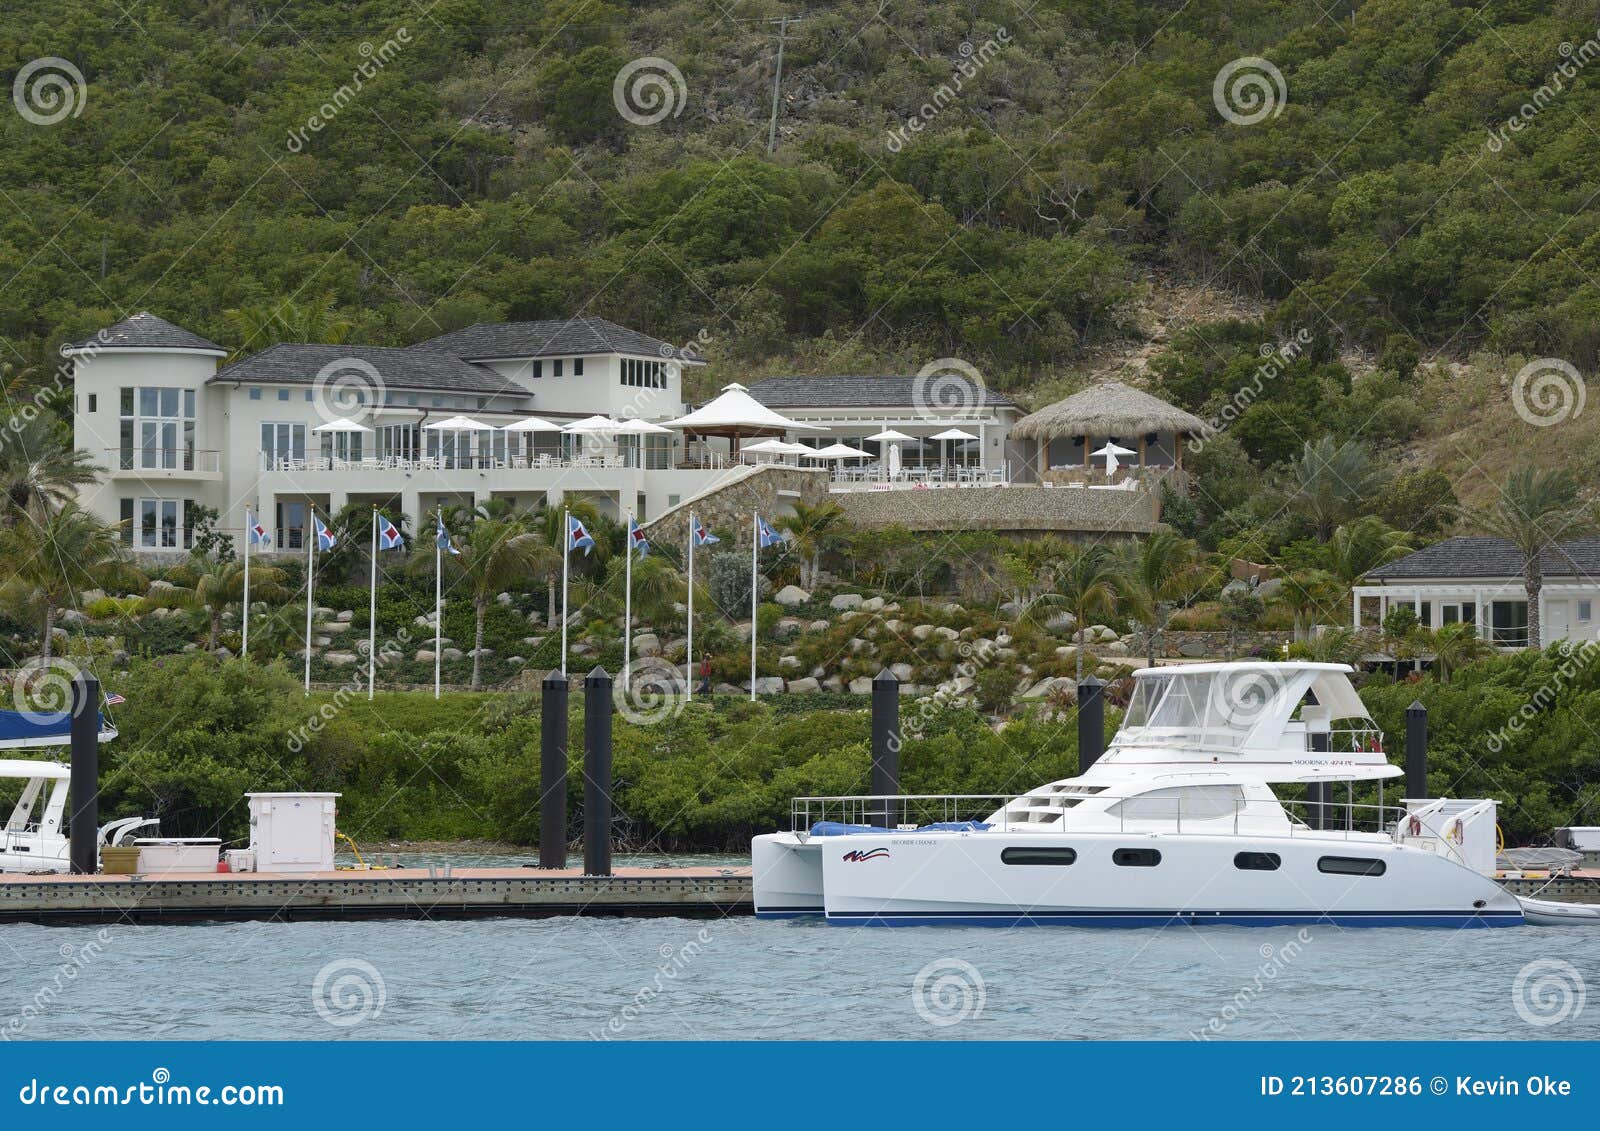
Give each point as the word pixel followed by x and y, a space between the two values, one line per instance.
pixel 163 463
pixel 653 462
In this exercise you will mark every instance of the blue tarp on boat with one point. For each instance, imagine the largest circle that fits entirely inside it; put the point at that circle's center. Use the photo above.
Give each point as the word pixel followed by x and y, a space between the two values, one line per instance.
pixel 18 729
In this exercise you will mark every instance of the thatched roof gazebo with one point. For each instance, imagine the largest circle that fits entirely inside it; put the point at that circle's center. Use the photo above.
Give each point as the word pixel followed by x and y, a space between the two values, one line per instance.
pixel 1067 432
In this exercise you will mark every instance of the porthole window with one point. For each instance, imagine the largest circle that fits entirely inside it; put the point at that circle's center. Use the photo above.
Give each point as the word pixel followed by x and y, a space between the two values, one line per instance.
pixel 1257 861
pixel 1040 855
pixel 1136 857
pixel 1351 866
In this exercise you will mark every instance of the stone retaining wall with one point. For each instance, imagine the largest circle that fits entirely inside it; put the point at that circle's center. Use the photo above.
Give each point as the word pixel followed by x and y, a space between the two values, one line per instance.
pixel 770 489
pixel 1013 508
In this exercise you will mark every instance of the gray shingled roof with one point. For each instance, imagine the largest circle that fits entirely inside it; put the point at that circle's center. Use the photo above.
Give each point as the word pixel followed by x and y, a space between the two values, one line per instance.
pixel 570 337
pixel 1490 557
pixel 948 389
pixel 145 331
pixel 294 364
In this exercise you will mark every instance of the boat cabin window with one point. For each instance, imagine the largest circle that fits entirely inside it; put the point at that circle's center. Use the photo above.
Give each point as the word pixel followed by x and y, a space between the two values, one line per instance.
pixel 1043 855
pixel 1351 866
pixel 1257 861
pixel 1182 802
pixel 1136 857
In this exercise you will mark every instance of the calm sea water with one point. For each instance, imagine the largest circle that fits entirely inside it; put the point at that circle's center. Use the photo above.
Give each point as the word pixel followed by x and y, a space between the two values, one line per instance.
pixel 575 979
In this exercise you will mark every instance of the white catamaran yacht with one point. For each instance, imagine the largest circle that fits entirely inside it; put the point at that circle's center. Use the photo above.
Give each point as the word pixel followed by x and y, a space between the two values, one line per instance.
pixel 1177 822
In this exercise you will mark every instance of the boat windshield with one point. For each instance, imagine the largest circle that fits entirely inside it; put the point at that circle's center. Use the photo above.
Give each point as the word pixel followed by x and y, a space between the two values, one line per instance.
pixel 1209 708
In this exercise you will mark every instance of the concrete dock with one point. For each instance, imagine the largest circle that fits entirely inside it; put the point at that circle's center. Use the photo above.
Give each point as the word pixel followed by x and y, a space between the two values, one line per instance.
pixel 405 893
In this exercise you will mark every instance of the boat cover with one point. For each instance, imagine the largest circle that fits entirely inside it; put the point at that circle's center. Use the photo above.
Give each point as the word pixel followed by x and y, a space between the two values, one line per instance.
pixel 18 728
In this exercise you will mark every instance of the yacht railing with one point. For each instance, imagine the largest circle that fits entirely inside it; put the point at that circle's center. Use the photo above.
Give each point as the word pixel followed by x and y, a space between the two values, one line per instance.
pixel 1046 812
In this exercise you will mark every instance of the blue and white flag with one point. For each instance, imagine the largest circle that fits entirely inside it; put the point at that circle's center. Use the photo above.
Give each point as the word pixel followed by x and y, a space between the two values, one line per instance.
pixel 389 537
pixel 636 539
pixel 441 537
pixel 765 533
pixel 254 531
pixel 578 535
pixel 325 538
pixel 702 536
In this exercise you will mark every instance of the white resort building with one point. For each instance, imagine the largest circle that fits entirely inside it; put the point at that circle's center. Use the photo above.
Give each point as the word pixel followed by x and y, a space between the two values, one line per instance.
pixel 1478 581
pixel 533 412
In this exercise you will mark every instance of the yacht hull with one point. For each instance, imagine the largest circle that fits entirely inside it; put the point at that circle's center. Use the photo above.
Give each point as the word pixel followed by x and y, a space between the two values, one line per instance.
pixel 963 879
pixel 786 876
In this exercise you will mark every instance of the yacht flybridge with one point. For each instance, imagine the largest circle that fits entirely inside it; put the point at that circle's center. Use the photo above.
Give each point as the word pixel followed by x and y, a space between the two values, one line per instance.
pixel 1178 821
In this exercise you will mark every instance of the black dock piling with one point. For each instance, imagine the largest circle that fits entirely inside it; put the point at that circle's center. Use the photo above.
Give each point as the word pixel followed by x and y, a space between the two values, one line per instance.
pixel 1416 750
pixel 597 773
pixel 553 772
pixel 885 780
pixel 1091 722
pixel 1319 793
pixel 84 821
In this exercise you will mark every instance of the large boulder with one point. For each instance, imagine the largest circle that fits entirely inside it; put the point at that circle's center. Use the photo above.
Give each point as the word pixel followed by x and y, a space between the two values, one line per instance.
pixel 647 644
pixel 804 686
pixel 340 657
pixel 922 632
pixel 791 595
pixel 872 605
pixel 727 689
pixel 833 683
pixel 902 672
pixel 845 601
pixel 454 653
pixel 424 655
pixel 818 626
pixel 788 661
pixel 769 685
pixel 344 616
pixel 861 685
pixel 946 632
pixel 1045 686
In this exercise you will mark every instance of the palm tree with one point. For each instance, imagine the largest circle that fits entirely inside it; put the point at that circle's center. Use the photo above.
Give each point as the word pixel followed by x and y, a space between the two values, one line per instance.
pixel 496 554
pixel 808 527
pixel 1306 593
pixel 1330 480
pixel 1162 572
pixel 1454 646
pixel 1089 583
pixel 269 323
pixel 48 562
pixel 39 468
pixel 1362 545
pixel 214 586
pixel 657 586
pixel 552 527
pixel 1536 509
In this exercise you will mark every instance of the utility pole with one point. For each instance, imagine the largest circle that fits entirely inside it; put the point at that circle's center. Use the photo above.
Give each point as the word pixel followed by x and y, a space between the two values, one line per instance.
pixel 783 23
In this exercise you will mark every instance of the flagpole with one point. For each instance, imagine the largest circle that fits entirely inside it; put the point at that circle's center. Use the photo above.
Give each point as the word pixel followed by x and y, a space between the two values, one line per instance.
pixel 566 561
pixel 689 644
pixel 755 563
pixel 311 577
pixel 627 608
pixel 438 602
pixel 249 528
pixel 372 612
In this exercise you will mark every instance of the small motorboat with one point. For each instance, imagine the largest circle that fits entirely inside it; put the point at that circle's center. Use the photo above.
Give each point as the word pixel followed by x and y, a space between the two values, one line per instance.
pixel 1549 913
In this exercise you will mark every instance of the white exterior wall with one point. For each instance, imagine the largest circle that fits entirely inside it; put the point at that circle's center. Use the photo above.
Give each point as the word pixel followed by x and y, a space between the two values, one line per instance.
pixel 599 392
pixel 1559 603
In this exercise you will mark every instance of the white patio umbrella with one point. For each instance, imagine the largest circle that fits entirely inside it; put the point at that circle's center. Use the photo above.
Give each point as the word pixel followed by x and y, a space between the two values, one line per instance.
pixel 1111 451
pixel 457 424
pixel 775 448
pixel 341 425
pixel 636 427
pixel 593 426
pixel 531 424
pixel 890 436
pixel 952 434
pixel 891 454
pixel 837 451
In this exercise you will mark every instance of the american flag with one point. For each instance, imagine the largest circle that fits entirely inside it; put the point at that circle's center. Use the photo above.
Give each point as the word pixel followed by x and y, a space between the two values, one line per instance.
pixel 113 699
